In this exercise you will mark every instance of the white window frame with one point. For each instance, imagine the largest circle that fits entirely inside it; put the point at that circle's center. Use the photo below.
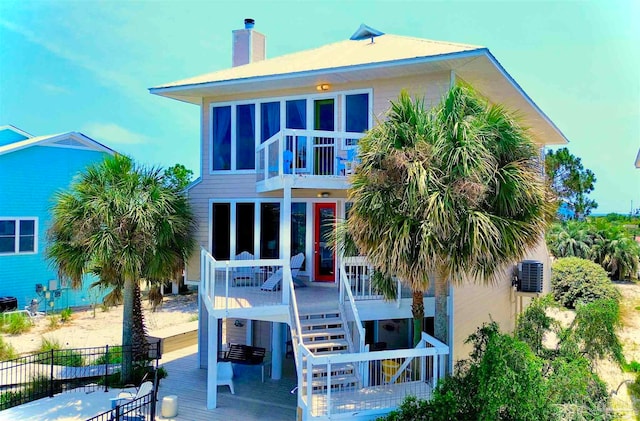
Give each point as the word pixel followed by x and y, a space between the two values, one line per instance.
pixel 343 112
pixel 16 245
pixel 340 117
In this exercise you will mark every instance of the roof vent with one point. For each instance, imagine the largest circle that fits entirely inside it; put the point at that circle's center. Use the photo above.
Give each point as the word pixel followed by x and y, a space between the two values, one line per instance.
pixel 365 32
pixel 249 23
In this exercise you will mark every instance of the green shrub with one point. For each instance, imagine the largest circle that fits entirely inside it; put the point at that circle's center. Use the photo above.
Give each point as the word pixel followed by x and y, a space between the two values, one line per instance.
pixel 114 356
pixel 65 315
pixel 631 367
pixel 575 280
pixel 16 324
pixel 54 322
pixel 61 356
pixel 7 351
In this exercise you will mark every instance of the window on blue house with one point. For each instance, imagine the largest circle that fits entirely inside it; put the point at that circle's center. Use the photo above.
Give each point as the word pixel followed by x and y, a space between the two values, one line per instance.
pixel 18 235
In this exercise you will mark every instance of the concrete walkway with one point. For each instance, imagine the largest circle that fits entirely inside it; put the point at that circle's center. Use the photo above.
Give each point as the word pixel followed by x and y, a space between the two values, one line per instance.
pixel 253 400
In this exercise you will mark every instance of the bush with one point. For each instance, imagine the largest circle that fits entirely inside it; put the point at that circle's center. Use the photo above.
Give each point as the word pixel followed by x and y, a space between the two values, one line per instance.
pixel 65 315
pixel 16 324
pixel 61 356
pixel 575 280
pixel 114 357
pixel 7 351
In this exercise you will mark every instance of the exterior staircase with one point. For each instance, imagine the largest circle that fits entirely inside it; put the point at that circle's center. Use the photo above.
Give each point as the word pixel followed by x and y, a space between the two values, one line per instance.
pixel 324 333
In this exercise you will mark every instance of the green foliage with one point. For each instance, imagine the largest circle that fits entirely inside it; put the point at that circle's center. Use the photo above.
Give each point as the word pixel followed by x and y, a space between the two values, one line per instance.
pixel 577 390
pixel 65 357
pixel 54 321
pixel 594 330
pixel 451 192
pixel 177 177
pixel 124 223
pixel 114 356
pixel 16 323
pixel 7 351
pixel 65 315
pixel 575 280
pixel 570 182
pixel 607 241
pixel 534 323
pixel 631 366
pixel 35 389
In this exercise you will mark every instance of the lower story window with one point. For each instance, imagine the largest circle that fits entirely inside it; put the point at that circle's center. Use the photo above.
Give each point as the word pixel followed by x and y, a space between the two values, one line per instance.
pixel 18 235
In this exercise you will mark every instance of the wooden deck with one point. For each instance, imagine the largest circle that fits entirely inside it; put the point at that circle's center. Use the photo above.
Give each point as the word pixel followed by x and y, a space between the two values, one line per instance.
pixel 253 400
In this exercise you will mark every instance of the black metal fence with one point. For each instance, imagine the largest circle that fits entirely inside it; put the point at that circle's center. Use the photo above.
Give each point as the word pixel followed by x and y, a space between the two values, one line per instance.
pixel 140 409
pixel 43 374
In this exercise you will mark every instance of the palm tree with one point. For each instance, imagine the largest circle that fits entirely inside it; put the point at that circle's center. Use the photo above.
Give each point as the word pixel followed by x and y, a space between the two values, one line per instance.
pixel 571 239
pixel 123 223
pixel 452 193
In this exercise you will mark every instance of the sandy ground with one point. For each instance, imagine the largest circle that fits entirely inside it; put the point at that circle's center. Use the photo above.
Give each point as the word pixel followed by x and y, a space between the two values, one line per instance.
pixel 85 330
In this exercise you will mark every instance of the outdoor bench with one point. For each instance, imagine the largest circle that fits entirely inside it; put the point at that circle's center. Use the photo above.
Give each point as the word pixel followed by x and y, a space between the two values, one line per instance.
pixel 246 355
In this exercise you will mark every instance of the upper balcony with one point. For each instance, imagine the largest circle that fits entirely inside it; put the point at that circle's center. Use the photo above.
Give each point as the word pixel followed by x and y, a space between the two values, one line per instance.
pixel 313 159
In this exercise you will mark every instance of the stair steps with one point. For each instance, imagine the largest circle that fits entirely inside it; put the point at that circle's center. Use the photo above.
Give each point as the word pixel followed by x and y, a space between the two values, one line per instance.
pixel 323 333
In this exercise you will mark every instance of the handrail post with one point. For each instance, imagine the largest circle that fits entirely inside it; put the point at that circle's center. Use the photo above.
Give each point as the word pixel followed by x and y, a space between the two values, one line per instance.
pixel 51 378
pixel 226 290
pixel 106 369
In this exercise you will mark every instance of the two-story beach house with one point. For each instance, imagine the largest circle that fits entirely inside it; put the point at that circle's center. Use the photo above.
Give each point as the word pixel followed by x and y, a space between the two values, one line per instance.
pixel 279 140
pixel 32 170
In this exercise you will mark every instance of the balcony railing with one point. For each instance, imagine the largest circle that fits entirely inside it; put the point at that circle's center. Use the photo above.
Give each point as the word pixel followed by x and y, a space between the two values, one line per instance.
pixel 359 274
pixel 369 383
pixel 243 284
pixel 305 152
pixel 354 328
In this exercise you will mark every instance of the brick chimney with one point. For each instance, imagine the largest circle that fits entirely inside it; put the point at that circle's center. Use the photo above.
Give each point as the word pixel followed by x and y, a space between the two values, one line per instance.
pixel 248 45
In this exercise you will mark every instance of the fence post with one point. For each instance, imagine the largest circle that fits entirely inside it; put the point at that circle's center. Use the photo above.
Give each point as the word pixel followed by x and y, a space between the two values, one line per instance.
pixel 51 377
pixel 106 369
pixel 154 393
pixel 117 415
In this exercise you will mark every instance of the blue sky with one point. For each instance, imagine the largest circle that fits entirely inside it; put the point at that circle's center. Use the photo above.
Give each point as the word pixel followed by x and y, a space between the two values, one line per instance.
pixel 86 66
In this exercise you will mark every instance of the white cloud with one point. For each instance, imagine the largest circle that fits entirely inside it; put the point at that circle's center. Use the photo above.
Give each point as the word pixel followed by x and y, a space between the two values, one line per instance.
pixel 54 89
pixel 111 133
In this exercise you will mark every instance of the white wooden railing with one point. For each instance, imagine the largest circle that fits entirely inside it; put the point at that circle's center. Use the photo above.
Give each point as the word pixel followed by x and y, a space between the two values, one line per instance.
pixel 238 284
pixel 303 152
pixel 353 325
pixel 388 377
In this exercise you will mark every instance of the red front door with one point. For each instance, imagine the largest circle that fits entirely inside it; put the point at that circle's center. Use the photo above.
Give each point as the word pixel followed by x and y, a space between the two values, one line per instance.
pixel 324 258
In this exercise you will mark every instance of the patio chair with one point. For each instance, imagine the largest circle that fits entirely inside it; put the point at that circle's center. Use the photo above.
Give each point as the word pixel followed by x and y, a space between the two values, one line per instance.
pixel 243 275
pixel 225 375
pixel 125 397
pixel 346 165
pixel 273 282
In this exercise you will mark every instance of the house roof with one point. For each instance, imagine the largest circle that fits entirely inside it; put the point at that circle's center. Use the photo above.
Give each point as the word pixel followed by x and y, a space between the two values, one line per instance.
pixel 69 140
pixel 384 48
pixel 380 57
pixel 15 130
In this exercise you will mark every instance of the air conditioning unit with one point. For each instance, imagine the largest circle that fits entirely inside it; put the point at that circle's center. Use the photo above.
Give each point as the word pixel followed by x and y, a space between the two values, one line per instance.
pixel 530 276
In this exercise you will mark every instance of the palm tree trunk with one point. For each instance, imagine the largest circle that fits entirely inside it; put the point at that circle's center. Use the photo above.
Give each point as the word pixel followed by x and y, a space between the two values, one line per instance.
pixel 127 329
pixel 417 309
pixel 441 323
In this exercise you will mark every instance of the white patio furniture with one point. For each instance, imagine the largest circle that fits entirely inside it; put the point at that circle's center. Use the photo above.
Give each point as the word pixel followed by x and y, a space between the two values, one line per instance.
pixel 273 282
pixel 225 375
pixel 243 276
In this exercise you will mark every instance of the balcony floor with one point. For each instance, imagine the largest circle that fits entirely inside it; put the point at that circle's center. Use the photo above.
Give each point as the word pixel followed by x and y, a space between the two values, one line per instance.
pixel 310 299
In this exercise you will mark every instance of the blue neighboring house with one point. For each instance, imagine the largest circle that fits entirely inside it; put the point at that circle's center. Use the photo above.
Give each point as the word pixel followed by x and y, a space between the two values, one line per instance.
pixel 32 169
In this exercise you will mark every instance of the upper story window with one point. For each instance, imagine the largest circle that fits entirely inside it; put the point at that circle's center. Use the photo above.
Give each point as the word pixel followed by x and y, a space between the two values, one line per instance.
pixel 237 129
pixel 18 235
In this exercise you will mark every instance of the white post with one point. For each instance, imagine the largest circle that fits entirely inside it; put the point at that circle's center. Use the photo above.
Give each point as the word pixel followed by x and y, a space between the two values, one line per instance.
pixel 212 359
pixel 249 332
pixel 276 351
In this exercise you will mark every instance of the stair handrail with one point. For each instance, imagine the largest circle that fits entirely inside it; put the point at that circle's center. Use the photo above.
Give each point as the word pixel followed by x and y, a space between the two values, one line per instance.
pixel 344 280
pixel 294 315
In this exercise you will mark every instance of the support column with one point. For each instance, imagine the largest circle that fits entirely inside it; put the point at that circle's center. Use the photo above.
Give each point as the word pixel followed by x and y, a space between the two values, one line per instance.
pixel 285 228
pixel 212 359
pixel 276 351
pixel 249 332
